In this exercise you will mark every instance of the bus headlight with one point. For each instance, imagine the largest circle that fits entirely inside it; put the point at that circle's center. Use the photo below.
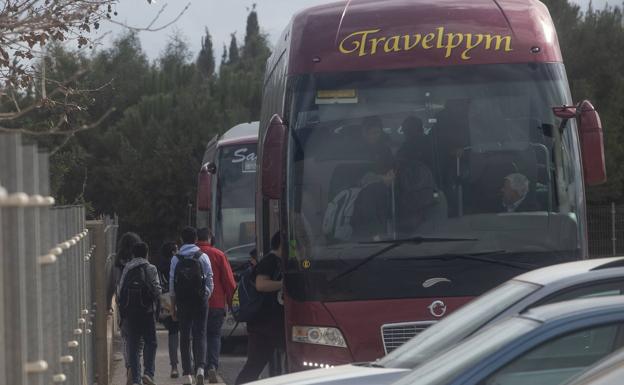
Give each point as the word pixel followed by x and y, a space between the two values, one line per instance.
pixel 318 335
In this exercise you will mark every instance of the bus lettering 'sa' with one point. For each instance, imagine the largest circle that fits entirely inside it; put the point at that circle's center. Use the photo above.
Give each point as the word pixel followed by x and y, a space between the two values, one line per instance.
pixel 241 156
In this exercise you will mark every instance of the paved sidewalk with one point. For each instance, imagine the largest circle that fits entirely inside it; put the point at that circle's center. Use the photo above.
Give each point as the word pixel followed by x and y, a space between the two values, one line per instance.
pixel 162 365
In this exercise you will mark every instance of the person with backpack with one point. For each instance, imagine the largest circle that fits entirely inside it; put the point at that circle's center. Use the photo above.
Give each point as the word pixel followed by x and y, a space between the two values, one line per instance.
pixel 167 251
pixel 123 255
pixel 224 286
pixel 190 287
pixel 139 289
pixel 266 328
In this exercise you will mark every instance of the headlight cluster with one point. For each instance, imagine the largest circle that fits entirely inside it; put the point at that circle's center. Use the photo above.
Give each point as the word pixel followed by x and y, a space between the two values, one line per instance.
pixel 318 335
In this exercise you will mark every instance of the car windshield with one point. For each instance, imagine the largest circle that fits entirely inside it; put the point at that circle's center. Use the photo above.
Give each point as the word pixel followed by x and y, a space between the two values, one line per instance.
pixel 235 229
pixel 443 368
pixel 452 152
pixel 458 325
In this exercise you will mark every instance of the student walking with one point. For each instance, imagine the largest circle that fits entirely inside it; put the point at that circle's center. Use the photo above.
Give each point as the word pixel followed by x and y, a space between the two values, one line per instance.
pixel 123 255
pixel 224 286
pixel 167 251
pixel 190 287
pixel 266 330
pixel 139 289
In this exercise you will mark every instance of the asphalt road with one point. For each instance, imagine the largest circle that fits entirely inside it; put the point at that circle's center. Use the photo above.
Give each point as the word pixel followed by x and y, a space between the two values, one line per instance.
pixel 231 363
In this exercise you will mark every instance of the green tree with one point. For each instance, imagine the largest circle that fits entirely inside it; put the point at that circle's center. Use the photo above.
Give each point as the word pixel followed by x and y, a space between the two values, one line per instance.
pixel 233 53
pixel 205 59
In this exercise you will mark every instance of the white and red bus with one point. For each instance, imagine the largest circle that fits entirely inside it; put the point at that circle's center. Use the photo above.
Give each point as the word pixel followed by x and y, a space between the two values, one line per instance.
pixel 468 97
pixel 226 198
pixel 226 191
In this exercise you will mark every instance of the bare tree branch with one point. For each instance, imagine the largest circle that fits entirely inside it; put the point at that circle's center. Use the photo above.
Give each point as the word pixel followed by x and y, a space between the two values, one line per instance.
pixel 82 128
pixel 150 27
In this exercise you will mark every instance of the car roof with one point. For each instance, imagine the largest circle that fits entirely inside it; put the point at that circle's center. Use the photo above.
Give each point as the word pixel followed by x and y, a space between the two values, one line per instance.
pixel 585 306
pixel 550 274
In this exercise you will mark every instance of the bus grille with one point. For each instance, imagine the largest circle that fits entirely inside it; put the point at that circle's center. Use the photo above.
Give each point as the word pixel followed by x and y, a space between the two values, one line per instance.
pixel 395 335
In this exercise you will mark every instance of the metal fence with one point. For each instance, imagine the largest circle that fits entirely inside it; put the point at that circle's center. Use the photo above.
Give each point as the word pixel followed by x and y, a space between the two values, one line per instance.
pixel 48 308
pixel 605 230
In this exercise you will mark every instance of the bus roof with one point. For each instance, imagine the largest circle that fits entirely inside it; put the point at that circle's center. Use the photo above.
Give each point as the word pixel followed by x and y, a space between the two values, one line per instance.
pixel 239 134
pixel 390 34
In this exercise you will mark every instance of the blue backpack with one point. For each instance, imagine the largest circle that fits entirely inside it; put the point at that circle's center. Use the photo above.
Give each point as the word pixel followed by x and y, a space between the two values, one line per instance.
pixel 246 301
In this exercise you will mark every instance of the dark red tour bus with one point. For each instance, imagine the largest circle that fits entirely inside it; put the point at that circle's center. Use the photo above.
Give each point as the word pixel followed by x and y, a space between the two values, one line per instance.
pixel 415 154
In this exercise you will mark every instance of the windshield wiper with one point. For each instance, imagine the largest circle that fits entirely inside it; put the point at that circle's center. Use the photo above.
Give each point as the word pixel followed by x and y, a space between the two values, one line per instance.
pixel 480 256
pixel 393 244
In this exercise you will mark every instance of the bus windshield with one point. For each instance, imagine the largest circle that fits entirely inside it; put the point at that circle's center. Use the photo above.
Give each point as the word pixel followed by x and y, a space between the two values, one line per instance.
pixel 236 188
pixel 471 152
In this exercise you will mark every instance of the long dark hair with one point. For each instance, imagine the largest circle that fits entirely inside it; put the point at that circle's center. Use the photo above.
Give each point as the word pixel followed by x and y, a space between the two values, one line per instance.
pixel 124 248
pixel 166 253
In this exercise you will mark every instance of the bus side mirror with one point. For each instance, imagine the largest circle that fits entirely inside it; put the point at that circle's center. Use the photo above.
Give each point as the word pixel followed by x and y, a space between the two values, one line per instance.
pixel 204 186
pixel 592 143
pixel 273 158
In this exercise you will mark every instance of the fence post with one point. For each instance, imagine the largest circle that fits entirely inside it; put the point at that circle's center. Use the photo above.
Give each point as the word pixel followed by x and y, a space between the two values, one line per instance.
pixel 36 365
pixel 3 345
pixel 102 356
pixel 613 236
pixel 13 267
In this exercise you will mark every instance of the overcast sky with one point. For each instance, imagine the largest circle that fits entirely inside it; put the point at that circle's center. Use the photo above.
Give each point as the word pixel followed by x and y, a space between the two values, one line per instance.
pixel 222 17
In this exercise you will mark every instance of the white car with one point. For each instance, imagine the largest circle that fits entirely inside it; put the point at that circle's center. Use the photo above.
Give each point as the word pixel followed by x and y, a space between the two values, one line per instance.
pixel 587 278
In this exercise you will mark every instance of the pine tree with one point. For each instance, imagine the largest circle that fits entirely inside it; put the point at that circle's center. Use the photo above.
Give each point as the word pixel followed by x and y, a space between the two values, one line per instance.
pixel 205 59
pixel 233 52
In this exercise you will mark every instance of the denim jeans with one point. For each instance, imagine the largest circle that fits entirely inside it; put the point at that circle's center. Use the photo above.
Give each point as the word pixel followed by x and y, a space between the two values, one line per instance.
pixel 213 336
pixel 193 320
pixel 173 329
pixel 141 332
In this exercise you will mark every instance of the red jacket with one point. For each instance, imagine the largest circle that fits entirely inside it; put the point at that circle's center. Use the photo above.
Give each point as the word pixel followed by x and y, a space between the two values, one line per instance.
pixel 224 283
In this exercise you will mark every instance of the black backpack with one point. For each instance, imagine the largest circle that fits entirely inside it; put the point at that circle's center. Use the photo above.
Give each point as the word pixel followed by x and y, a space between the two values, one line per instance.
pixel 189 280
pixel 246 301
pixel 135 299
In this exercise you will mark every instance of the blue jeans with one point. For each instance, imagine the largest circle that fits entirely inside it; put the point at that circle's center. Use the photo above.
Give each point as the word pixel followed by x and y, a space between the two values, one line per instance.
pixel 213 334
pixel 193 320
pixel 141 332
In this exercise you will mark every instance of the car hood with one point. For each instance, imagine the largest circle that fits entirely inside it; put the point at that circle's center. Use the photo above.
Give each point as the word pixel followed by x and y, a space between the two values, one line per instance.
pixel 343 375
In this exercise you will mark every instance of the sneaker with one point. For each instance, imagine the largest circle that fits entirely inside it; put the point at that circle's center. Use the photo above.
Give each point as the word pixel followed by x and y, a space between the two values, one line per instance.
pixel 174 372
pixel 188 380
pixel 212 376
pixel 200 376
pixel 147 380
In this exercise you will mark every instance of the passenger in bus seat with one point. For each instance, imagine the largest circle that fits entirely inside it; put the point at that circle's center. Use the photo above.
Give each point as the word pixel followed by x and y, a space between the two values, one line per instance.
pixel 375 142
pixel 515 194
pixel 415 186
pixel 372 210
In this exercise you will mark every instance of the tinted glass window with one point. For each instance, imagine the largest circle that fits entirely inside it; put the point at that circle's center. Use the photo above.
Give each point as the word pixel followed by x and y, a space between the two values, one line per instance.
pixel 597 289
pixel 460 151
pixel 449 364
pixel 558 360
pixel 236 189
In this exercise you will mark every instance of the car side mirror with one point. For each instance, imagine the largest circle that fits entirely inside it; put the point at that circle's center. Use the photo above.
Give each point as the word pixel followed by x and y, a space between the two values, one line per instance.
pixel 592 141
pixel 274 158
